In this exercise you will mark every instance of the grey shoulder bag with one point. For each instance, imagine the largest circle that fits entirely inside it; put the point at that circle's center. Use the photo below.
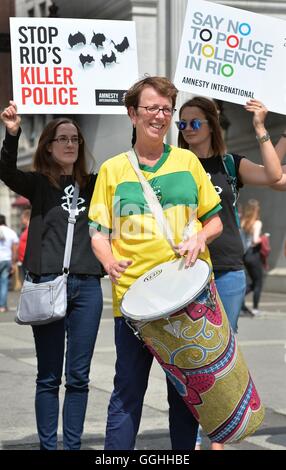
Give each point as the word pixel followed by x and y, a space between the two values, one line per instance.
pixel 46 302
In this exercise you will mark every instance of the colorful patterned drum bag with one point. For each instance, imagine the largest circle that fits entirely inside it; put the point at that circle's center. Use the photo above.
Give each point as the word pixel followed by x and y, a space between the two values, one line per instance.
pixel 199 353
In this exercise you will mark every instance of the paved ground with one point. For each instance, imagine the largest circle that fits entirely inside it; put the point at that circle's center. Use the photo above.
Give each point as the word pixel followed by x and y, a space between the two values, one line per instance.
pixel 262 339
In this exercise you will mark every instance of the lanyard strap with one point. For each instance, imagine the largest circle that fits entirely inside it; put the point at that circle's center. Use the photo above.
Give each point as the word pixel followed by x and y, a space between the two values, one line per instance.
pixel 70 230
pixel 152 200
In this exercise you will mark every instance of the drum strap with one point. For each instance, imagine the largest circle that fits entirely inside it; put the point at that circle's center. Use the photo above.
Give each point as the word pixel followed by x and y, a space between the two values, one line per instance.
pixel 152 200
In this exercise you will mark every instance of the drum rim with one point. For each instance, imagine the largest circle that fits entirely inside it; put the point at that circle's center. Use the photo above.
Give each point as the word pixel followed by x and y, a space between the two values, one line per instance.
pixel 158 316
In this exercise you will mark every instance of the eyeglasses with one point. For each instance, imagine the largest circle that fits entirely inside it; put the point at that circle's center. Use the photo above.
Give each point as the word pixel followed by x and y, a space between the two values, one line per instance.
pixel 195 124
pixel 64 140
pixel 155 109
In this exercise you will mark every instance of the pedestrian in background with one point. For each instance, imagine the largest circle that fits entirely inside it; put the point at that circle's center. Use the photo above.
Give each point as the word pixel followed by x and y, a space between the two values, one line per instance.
pixel 59 163
pixel 8 259
pixel 251 227
pixel 25 220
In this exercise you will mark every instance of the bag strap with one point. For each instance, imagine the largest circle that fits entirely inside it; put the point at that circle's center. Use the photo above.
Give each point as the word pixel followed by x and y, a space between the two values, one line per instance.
pixel 152 200
pixel 229 166
pixel 70 230
pixel 228 161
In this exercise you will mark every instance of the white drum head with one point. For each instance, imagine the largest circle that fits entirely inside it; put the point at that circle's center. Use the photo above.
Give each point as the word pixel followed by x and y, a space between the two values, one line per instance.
pixel 164 290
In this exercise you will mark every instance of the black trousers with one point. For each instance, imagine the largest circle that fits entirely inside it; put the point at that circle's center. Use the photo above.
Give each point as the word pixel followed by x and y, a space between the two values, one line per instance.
pixel 254 269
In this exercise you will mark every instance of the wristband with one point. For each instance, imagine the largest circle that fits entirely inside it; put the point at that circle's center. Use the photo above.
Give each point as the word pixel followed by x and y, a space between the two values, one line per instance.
pixel 263 138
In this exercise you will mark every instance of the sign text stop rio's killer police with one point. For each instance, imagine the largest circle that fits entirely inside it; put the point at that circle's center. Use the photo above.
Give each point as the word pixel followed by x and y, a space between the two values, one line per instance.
pixel 62 67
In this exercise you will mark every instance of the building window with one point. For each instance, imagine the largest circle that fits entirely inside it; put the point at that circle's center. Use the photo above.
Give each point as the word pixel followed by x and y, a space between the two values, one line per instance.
pixel 31 12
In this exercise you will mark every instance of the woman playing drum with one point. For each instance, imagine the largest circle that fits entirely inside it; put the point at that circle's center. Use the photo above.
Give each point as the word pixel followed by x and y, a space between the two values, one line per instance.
pixel 127 240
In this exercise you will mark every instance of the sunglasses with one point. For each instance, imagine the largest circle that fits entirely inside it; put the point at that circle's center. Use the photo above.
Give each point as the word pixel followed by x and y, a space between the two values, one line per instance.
pixel 195 124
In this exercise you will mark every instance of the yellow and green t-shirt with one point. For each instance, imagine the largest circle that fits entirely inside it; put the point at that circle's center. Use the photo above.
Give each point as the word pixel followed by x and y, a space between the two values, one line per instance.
pixel 118 207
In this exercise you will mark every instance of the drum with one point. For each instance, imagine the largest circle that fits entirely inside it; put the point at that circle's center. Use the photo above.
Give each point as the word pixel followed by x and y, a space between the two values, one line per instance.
pixel 174 286
pixel 195 345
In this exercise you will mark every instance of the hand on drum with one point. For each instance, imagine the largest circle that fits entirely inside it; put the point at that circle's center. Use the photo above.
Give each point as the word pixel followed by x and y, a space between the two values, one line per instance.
pixel 192 247
pixel 115 269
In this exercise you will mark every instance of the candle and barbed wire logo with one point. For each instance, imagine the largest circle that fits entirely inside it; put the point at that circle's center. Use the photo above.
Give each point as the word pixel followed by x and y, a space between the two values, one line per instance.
pixel 98 41
pixel 219 45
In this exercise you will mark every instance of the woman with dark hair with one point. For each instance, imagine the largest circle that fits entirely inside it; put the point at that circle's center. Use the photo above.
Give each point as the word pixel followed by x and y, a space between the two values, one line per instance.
pixel 200 131
pixel 59 163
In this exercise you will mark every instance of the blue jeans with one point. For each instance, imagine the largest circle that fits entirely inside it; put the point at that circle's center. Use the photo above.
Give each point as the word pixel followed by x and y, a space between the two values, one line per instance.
pixel 80 327
pixel 132 370
pixel 231 286
pixel 5 267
